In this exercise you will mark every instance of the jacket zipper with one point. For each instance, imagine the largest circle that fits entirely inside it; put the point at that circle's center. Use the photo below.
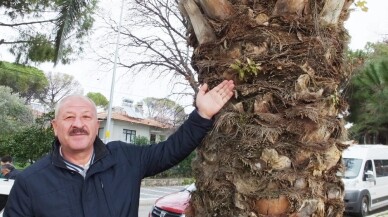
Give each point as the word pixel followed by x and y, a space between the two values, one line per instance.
pixel 106 197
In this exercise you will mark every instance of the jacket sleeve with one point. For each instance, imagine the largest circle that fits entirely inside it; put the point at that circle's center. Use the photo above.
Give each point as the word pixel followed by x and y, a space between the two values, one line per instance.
pixel 159 157
pixel 19 201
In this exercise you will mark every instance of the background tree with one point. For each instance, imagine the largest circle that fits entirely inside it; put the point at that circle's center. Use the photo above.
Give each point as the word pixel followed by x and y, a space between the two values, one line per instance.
pixel 30 143
pixel 98 99
pixel 369 103
pixel 182 170
pixel 42 31
pixel 14 113
pixel 28 81
pixel 373 52
pixel 164 110
pixel 366 86
pixel 165 54
pixel 59 86
pixel 376 51
pixel 142 140
pixel 276 146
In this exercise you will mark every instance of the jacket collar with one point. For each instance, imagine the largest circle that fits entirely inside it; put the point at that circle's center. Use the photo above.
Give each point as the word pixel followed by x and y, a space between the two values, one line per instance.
pixel 100 152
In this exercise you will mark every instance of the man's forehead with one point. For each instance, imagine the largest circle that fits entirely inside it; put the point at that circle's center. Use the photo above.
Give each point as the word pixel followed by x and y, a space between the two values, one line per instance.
pixel 82 108
pixel 76 105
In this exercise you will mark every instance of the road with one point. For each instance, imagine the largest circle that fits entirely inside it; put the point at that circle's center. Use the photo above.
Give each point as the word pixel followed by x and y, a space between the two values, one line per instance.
pixel 148 195
pixel 144 209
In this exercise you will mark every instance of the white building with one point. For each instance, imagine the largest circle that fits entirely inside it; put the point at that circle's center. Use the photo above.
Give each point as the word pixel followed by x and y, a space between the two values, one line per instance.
pixel 128 122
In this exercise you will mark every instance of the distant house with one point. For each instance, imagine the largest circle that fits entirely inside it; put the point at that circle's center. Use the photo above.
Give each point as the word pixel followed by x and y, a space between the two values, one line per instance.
pixel 128 122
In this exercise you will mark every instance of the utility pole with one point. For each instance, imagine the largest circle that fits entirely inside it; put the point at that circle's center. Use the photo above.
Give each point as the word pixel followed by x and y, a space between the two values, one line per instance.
pixel 112 87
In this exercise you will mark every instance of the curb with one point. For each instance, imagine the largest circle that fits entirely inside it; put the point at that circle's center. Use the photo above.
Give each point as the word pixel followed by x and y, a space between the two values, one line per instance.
pixel 163 182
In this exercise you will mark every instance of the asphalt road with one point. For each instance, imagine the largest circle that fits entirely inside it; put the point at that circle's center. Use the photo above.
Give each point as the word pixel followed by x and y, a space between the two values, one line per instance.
pixel 144 210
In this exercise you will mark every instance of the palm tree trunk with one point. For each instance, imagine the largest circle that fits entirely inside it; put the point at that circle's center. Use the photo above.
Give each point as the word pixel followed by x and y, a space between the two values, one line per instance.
pixel 276 147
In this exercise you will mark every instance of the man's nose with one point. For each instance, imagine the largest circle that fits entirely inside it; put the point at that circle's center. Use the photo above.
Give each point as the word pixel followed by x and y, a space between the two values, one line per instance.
pixel 78 122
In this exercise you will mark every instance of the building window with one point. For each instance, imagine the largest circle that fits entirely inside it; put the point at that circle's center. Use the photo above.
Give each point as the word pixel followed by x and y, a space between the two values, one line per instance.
pixel 129 135
pixel 153 139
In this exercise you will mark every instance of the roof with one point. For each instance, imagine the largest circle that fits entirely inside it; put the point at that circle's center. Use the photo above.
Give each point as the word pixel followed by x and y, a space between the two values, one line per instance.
pixel 126 118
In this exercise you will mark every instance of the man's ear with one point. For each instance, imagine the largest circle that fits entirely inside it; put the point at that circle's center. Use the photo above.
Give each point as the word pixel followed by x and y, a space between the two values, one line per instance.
pixel 54 124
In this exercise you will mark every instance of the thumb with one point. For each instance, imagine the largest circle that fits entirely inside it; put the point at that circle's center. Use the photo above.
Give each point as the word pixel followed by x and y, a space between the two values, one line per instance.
pixel 203 89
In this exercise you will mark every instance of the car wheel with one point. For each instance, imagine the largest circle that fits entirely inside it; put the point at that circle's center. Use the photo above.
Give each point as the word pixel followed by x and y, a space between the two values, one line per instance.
pixel 364 208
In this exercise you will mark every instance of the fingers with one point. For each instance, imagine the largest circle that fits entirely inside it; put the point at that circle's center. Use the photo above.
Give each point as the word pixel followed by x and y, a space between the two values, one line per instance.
pixel 226 95
pixel 220 86
pixel 210 102
pixel 224 90
pixel 227 88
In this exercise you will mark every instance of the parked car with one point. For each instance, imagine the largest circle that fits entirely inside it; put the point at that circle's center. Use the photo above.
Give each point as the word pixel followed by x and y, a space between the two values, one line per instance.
pixel 173 205
pixel 5 188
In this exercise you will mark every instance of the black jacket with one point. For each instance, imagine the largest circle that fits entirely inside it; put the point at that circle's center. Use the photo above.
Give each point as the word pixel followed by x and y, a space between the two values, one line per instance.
pixel 111 187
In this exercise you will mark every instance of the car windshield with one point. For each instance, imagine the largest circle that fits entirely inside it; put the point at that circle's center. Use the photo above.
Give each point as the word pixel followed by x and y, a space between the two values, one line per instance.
pixel 352 167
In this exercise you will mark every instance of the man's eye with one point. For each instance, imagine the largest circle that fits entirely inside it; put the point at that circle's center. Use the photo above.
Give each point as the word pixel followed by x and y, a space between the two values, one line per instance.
pixel 69 117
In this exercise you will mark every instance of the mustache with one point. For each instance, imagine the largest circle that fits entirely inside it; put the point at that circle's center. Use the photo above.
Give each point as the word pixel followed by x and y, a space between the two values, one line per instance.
pixel 77 131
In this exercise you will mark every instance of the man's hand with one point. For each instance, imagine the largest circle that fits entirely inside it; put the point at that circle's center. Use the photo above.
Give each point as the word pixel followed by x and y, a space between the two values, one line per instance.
pixel 210 102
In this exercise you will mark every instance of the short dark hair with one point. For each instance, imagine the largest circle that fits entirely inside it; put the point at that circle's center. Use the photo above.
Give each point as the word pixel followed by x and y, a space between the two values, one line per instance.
pixel 6 159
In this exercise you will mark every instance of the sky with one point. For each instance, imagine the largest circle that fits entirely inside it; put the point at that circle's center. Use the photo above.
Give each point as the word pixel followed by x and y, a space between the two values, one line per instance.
pixel 368 26
pixel 362 26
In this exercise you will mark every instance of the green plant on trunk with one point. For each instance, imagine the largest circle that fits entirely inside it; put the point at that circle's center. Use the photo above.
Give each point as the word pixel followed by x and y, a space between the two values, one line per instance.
pixel 245 69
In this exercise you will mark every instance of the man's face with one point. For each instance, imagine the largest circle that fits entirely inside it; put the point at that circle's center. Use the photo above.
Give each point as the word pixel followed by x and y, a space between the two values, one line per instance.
pixel 4 171
pixel 76 124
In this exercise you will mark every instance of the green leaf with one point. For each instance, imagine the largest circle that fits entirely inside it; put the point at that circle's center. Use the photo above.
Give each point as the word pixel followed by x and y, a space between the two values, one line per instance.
pixel 235 66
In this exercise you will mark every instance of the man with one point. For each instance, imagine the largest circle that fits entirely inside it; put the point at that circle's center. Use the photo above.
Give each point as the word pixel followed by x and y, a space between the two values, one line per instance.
pixel 8 171
pixel 83 177
pixel 6 160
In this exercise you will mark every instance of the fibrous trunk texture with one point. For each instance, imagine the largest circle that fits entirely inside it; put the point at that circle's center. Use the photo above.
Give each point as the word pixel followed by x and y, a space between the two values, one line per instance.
pixel 276 147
